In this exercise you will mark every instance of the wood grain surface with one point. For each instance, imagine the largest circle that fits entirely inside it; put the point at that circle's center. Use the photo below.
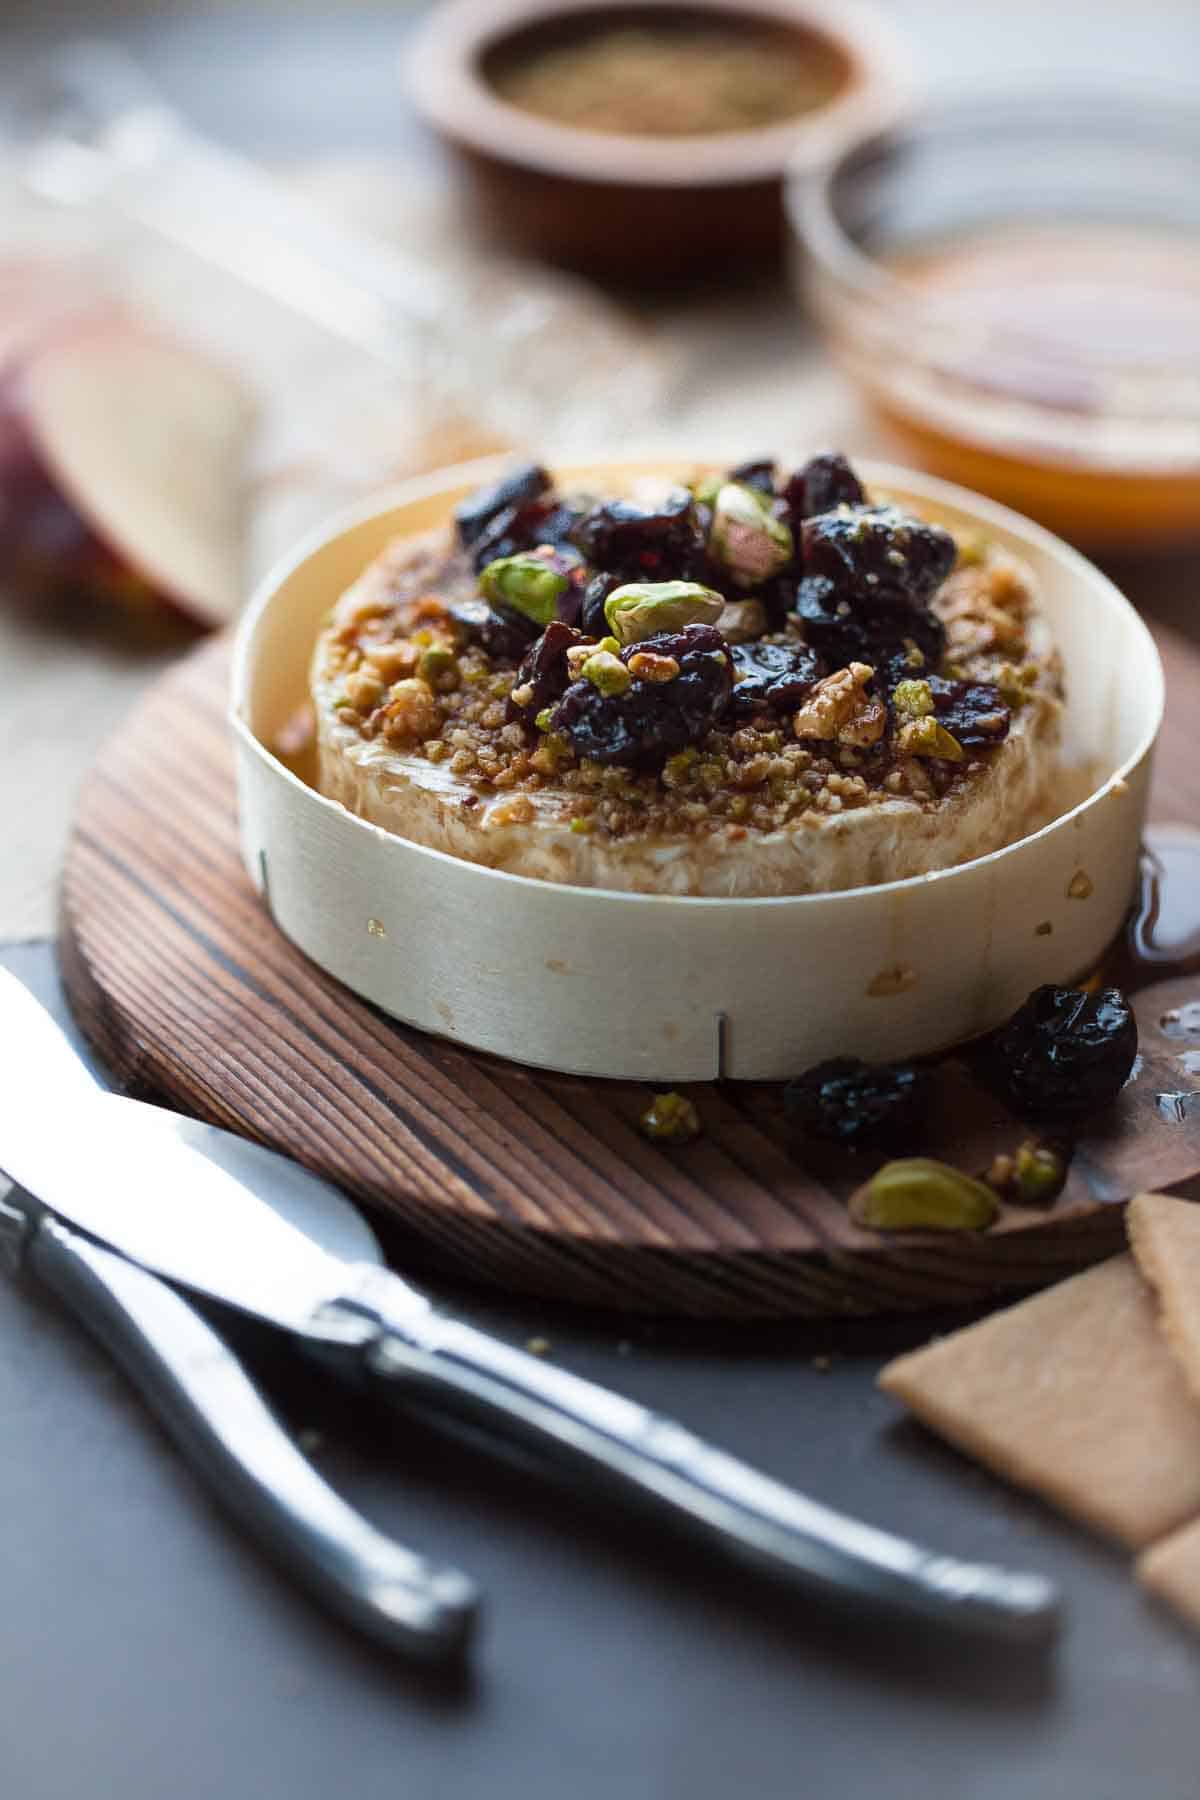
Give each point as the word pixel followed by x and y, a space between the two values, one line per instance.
pixel 537 1183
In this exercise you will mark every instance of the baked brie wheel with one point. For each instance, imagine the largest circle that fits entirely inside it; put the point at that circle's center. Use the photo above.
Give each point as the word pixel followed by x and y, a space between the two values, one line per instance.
pixel 742 687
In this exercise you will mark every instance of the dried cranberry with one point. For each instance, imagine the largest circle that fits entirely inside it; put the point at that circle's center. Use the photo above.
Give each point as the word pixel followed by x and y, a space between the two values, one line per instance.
pixel 526 527
pixel 824 482
pixel 868 549
pixel 759 474
pixel 971 711
pixel 505 636
pixel 859 1105
pixel 591 617
pixel 626 540
pixel 474 514
pixel 776 676
pixel 875 630
pixel 544 670
pixel 1062 1055
pixel 651 720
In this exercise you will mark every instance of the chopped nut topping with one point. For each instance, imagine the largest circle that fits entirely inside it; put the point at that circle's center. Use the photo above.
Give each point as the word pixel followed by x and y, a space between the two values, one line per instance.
pixel 834 703
pixel 402 666
pixel 364 690
pixel 393 661
pixel 412 712
pixel 646 666
pixel 925 737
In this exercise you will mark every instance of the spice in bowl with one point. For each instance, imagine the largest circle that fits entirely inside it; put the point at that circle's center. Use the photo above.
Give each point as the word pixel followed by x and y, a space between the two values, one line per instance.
pixel 662 73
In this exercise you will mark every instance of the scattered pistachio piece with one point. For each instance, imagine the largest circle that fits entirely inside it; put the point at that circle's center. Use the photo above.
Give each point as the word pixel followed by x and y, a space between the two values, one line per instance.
pixel 642 609
pixel 607 672
pixel 913 699
pixel 671 1118
pixel 526 583
pixel 678 768
pixel 919 1194
pixel 435 661
pixel 1035 1175
pixel 925 737
pixel 542 721
pixel 581 825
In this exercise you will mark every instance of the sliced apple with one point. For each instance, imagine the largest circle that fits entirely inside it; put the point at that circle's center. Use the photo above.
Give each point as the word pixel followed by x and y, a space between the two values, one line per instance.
pixel 145 441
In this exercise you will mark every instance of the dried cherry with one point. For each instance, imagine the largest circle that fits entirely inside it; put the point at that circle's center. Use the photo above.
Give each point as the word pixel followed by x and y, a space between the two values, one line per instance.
pixel 544 670
pixel 864 550
pixel 974 712
pixel 516 528
pixel 758 473
pixel 1062 1055
pixel 857 1104
pixel 474 514
pixel 591 617
pixel 773 676
pixel 651 720
pixel 876 630
pixel 825 481
pixel 503 635
pixel 666 544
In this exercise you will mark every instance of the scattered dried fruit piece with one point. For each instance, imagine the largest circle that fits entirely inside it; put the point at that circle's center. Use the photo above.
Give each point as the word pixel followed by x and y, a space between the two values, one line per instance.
pixel 920 1194
pixel 858 1104
pixel 672 1119
pixel 1063 1054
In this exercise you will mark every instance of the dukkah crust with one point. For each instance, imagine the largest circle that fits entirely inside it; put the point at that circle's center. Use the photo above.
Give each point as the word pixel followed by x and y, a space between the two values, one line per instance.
pixel 422 745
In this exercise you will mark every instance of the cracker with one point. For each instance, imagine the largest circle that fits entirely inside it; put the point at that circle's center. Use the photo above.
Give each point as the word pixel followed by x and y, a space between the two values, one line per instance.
pixel 1165 1235
pixel 1171 1571
pixel 1073 1394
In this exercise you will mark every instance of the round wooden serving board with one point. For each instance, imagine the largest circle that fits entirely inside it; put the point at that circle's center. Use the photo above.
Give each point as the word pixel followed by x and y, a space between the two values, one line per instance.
pixel 534 1182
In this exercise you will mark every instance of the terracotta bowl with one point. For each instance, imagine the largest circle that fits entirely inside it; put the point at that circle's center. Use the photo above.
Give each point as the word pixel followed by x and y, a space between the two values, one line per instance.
pixel 641 208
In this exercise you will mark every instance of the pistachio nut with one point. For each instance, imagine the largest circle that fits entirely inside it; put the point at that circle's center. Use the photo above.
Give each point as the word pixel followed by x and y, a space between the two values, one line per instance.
pixel 913 699
pixel 525 583
pixel 641 609
pixel 918 1194
pixel 435 661
pixel 672 1119
pixel 607 672
pixel 1039 1174
pixel 747 537
pixel 925 737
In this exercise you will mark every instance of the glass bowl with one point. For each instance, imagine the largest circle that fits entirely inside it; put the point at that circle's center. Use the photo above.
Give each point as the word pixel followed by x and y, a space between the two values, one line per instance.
pixel 1014 285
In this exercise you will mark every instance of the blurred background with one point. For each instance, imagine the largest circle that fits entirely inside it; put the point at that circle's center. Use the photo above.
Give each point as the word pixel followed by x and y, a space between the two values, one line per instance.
pixel 255 262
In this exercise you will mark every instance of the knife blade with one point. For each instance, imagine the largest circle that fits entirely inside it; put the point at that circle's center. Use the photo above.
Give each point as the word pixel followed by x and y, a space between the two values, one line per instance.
pixel 162 1206
pixel 204 1397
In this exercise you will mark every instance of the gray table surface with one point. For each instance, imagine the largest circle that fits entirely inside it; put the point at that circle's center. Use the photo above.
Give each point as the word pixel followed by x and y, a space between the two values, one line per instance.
pixel 146 1651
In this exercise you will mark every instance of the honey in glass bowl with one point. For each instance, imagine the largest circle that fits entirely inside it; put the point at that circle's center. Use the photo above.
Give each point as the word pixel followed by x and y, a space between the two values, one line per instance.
pixel 1015 288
